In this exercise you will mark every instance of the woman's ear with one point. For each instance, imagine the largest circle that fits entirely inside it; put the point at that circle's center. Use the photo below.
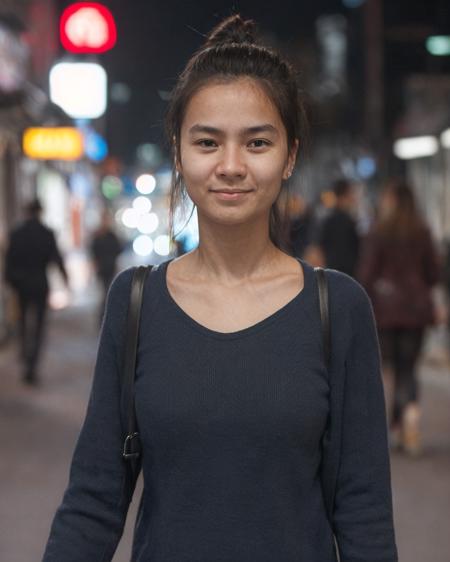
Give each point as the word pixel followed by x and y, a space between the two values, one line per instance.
pixel 290 164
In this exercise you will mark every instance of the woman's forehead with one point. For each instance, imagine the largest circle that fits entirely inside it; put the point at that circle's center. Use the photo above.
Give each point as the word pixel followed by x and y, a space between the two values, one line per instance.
pixel 225 104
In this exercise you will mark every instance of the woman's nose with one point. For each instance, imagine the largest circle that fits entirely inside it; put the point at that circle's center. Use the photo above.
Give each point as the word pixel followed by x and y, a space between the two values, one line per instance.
pixel 231 163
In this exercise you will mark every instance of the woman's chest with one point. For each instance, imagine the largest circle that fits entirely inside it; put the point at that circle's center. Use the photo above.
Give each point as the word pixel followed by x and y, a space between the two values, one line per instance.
pixel 230 310
pixel 199 390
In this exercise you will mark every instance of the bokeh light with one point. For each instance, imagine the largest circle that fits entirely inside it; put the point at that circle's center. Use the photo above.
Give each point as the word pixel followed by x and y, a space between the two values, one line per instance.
pixel 162 245
pixel 147 223
pixel 142 204
pixel 130 218
pixel 143 245
pixel 111 187
pixel 145 184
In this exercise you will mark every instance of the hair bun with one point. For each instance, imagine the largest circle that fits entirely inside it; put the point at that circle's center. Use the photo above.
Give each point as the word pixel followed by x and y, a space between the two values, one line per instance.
pixel 232 30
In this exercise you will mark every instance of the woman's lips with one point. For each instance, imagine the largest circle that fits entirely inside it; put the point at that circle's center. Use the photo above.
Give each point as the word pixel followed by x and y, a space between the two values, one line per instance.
pixel 230 195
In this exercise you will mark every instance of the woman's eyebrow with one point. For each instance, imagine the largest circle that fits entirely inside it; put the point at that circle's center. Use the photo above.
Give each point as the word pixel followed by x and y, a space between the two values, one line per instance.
pixel 265 128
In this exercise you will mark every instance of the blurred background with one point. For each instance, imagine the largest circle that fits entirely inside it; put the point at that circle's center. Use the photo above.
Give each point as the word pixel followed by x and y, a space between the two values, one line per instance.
pixel 83 93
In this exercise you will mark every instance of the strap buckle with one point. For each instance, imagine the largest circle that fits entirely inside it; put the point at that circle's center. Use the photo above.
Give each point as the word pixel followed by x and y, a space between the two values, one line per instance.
pixel 131 442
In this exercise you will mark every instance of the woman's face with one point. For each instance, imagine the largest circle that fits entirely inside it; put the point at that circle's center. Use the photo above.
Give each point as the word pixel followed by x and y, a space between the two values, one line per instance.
pixel 233 152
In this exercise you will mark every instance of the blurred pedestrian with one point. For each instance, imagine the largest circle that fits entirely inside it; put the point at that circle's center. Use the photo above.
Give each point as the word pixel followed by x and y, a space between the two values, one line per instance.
pixel 301 225
pixel 338 235
pixel 246 454
pixel 303 232
pixel 105 248
pixel 31 248
pixel 399 266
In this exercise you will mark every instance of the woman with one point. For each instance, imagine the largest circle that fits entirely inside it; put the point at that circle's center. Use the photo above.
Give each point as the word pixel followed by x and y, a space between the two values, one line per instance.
pixel 399 267
pixel 232 387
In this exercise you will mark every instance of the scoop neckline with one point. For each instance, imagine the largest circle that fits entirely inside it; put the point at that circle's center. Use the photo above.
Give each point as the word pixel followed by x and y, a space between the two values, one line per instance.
pixel 261 324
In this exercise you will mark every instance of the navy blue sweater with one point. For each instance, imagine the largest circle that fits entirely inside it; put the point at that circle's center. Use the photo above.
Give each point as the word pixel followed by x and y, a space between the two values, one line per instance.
pixel 234 465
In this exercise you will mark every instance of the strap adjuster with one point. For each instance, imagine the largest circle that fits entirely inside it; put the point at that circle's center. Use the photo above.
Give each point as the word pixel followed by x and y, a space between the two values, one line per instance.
pixel 130 443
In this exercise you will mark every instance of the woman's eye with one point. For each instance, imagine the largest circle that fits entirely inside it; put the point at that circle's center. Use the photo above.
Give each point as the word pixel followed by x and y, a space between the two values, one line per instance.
pixel 206 143
pixel 259 143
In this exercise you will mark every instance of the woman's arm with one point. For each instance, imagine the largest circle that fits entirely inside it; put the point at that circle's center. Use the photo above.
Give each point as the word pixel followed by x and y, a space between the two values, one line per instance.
pixel 363 521
pixel 90 520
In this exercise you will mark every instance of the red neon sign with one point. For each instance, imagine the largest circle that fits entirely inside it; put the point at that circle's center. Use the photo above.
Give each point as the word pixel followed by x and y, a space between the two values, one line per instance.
pixel 87 27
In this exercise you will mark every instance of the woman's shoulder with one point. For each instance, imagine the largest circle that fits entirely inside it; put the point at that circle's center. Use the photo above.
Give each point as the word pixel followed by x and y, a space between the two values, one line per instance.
pixel 118 300
pixel 122 282
pixel 345 291
pixel 120 288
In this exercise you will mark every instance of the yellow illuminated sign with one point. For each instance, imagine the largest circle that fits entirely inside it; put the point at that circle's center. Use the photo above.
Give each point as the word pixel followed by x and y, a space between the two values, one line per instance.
pixel 53 143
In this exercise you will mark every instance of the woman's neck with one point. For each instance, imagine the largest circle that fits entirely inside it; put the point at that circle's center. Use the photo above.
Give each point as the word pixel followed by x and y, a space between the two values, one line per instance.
pixel 234 254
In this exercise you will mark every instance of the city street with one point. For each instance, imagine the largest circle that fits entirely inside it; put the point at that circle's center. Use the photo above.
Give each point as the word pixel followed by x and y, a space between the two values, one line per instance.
pixel 39 426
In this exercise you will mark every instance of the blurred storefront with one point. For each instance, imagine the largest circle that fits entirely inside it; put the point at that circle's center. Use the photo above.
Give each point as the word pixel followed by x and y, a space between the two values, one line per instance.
pixel 422 141
pixel 25 61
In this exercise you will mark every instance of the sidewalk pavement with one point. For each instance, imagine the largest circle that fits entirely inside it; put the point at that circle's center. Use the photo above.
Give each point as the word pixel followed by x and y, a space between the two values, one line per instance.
pixel 39 427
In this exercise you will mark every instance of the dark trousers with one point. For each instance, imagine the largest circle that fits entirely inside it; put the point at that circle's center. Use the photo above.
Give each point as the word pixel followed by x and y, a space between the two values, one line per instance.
pixel 32 314
pixel 401 347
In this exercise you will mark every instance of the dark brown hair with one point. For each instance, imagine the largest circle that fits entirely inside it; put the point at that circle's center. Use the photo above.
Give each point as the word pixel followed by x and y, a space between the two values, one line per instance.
pixel 405 221
pixel 230 52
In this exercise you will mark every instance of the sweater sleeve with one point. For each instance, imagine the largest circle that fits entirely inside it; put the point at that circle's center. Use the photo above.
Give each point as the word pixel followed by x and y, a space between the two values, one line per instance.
pixel 363 520
pixel 90 520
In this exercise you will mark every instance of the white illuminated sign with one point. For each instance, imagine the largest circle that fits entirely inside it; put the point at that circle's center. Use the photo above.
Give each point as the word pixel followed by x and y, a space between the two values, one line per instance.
pixel 79 88
pixel 445 138
pixel 415 147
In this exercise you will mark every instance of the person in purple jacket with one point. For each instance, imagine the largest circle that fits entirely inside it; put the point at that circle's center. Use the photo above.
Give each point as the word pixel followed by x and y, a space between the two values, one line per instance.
pixel 399 267
pixel 255 446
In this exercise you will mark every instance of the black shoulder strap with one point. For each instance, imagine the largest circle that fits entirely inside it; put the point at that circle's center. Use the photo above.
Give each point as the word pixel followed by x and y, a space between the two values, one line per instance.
pixel 326 335
pixel 132 446
pixel 324 312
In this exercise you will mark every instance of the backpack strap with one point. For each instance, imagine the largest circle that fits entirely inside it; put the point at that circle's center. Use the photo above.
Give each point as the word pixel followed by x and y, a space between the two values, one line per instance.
pixel 326 339
pixel 132 444
pixel 324 312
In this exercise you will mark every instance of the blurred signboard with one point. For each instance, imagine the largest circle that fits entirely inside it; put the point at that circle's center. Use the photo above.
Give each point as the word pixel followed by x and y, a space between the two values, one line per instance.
pixel 426 106
pixel 87 27
pixel 79 88
pixel 13 61
pixel 53 143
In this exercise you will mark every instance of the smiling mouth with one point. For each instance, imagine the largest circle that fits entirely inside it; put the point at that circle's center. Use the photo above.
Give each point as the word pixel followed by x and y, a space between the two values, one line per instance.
pixel 231 190
pixel 230 195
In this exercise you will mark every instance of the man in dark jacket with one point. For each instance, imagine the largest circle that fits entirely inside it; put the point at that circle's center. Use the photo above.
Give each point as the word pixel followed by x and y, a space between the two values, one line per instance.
pixel 31 248
pixel 338 236
pixel 105 249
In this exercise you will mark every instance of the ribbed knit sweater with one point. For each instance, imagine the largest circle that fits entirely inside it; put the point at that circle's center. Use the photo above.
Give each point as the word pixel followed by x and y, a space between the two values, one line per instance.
pixel 232 426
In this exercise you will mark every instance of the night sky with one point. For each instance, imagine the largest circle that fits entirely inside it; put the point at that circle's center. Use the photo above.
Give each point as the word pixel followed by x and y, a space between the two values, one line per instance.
pixel 155 39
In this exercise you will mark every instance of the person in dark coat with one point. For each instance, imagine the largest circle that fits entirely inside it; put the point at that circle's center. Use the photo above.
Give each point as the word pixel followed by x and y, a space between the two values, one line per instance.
pixel 338 237
pixel 398 267
pixel 301 226
pixel 105 249
pixel 31 248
